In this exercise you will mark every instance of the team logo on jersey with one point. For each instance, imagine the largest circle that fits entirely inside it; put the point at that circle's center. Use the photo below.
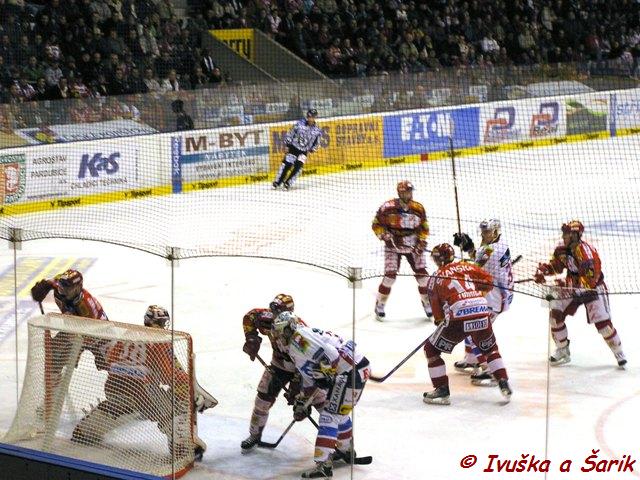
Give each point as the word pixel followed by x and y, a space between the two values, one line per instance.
pixel 473 310
pixel 300 343
pixel 444 345
pixel 487 344
pixel 475 325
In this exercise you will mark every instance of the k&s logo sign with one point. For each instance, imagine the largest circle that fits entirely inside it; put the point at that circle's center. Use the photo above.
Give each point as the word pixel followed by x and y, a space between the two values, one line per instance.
pixel 98 163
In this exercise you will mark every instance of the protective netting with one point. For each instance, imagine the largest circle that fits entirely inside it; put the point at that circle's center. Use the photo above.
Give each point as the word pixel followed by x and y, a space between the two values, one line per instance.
pixel 533 163
pixel 104 392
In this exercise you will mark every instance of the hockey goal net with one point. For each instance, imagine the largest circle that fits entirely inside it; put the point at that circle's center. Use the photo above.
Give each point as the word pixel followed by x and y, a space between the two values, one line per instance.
pixel 110 393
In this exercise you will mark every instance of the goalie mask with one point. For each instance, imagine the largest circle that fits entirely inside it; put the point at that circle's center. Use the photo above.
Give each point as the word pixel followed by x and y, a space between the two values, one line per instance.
pixel 157 317
pixel 281 303
pixel 405 191
pixel 490 230
pixel 69 283
pixel 284 325
pixel 572 232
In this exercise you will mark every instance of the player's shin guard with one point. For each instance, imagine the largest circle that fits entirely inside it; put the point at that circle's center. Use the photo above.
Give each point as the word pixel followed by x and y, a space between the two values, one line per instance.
pixel 259 416
pixel 297 169
pixel 345 433
pixel 559 330
pixel 610 335
pixel 326 439
pixel 283 172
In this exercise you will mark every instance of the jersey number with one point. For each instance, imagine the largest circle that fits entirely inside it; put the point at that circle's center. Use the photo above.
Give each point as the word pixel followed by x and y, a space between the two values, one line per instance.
pixel 466 285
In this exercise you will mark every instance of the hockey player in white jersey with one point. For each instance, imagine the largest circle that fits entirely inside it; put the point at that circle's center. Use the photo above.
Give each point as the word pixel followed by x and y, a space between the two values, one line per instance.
pixel 494 256
pixel 304 138
pixel 328 366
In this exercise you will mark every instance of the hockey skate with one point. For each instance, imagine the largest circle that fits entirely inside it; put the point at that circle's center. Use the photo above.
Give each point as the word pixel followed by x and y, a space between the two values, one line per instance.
pixel 275 185
pixel 465 367
pixel 483 378
pixel 439 396
pixel 250 442
pixel 561 356
pixel 321 470
pixel 379 310
pixel 505 389
pixel 622 360
pixel 199 448
pixel 287 185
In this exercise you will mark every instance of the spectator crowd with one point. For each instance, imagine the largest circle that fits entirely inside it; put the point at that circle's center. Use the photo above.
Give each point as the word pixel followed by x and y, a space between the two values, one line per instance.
pixel 75 49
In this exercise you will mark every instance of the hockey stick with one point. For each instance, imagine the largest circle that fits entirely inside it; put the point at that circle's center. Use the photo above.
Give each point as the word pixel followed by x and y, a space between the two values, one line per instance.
pixel 339 455
pixel 41 308
pixel 516 260
pixel 525 280
pixel 306 405
pixel 382 379
pixel 283 387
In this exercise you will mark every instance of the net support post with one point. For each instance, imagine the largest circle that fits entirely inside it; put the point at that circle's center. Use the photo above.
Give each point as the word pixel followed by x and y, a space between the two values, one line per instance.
pixel 15 238
pixel 172 256
pixel 355 277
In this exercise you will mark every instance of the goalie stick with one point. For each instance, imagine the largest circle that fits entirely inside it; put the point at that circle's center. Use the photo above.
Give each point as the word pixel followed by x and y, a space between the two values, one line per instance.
pixel 382 379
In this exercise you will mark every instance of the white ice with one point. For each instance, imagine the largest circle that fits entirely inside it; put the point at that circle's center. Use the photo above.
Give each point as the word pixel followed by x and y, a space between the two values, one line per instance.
pixel 558 413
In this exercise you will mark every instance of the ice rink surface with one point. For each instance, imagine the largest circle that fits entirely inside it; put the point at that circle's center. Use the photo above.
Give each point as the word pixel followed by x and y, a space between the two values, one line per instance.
pixel 560 413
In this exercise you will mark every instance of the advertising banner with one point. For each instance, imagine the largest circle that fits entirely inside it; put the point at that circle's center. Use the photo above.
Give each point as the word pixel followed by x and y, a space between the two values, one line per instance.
pixel 12 178
pixel 348 143
pixel 522 120
pixel 202 158
pixel 625 112
pixel 84 131
pixel 587 113
pixel 240 40
pixel 430 131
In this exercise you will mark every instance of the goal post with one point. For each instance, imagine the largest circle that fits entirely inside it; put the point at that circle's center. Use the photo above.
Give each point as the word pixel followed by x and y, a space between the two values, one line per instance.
pixel 110 393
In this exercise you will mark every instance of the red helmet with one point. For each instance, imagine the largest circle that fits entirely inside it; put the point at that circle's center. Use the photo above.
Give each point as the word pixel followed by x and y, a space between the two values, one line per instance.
pixel 282 303
pixel 442 254
pixel 573 226
pixel 405 186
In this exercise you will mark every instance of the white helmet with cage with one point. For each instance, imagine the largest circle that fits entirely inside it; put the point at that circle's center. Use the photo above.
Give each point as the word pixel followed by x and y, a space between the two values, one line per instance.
pixel 157 317
pixel 490 229
pixel 284 325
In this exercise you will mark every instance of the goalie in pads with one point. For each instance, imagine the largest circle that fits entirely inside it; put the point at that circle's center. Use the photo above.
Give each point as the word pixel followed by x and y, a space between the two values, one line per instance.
pixel 139 386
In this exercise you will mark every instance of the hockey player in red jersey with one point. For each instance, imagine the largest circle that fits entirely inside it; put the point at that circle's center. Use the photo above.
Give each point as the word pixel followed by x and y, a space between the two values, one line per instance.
pixel 582 285
pixel 72 299
pixel 69 294
pixel 401 223
pixel 281 371
pixel 457 293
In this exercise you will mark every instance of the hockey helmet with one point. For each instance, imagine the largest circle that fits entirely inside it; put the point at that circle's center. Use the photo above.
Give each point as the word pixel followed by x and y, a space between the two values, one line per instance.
pixel 69 283
pixel 157 317
pixel 284 324
pixel 492 226
pixel 281 303
pixel 573 226
pixel 312 112
pixel 442 254
pixel 405 186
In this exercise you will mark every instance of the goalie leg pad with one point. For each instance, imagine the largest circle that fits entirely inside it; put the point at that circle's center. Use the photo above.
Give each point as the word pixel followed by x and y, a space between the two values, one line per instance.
pixel 203 399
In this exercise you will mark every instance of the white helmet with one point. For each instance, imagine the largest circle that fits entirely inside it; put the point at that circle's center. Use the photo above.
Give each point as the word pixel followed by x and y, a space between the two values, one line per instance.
pixel 157 317
pixel 491 225
pixel 283 322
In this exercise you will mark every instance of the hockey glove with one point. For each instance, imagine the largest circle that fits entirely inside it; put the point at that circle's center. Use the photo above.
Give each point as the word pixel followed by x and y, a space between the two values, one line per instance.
pixel 40 290
pixel 252 346
pixel 420 247
pixel 387 238
pixel 463 241
pixel 295 385
pixel 300 410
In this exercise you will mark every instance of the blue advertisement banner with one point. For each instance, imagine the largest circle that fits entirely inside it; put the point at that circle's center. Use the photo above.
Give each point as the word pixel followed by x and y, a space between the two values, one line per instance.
pixel 430 131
